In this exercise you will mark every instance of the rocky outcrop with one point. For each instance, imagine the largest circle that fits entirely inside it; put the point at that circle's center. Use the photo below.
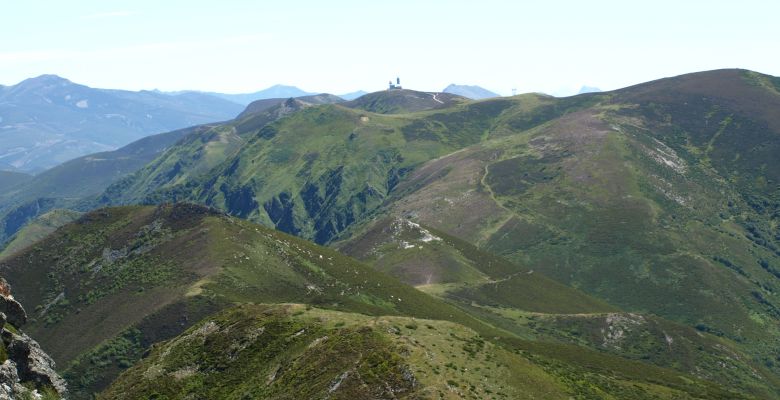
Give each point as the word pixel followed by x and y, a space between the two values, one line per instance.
pixel 26 370
pixel 11 309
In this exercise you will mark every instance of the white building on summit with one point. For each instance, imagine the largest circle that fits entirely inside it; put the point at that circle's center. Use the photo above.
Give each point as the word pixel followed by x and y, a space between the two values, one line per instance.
pixel 396 86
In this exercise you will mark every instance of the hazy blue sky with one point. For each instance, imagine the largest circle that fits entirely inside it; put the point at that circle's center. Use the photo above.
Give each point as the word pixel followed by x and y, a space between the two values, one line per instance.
pixel 340 46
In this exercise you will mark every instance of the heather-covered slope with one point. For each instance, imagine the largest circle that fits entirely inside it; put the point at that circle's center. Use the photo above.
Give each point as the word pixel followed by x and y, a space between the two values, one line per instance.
pixel 294 351
pixel 646 200
pixel 137 276
pixel 289 351
pixel 444 265
pixel 658 199
pixel 319 169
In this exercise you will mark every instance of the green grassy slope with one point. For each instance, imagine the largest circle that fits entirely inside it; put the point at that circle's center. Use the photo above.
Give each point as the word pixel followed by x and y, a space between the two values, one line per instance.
pixel 194 155
pixel 292 351
pixel 90 175
pixel 530 305
pixel 403 101
pixel 9 179
pixel 106 287
pixel 197 154
pixel 310 177
pixel 450 267
pixel 192 152
pixel 306 173
pixel 266 104
pixel 284 352
pixel 656 341
pixel 123 270
pixel 624 201
pixel 660 198
pixel 38 229
pixel 70 184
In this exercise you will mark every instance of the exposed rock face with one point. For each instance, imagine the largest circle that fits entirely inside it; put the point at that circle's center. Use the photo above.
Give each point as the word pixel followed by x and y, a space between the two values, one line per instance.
pixel 24 364
pixel 14 313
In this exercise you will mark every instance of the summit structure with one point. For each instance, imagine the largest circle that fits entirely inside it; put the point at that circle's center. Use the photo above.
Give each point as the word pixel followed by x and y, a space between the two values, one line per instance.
pixel 396 86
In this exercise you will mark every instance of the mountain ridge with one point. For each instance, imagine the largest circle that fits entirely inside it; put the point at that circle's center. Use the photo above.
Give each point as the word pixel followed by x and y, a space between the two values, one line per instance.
pixel 74 184
pixel 159 275
pixel 275 91
pixel 471 91
pixel 578 188
pixel 627 236
pixel 265 104
pixel 401 101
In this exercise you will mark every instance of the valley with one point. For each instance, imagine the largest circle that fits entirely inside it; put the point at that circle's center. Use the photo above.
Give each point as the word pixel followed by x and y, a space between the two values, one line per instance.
pixel 620 244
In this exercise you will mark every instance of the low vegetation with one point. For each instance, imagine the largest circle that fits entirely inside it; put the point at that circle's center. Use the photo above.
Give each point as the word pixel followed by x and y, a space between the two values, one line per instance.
pixel 614 245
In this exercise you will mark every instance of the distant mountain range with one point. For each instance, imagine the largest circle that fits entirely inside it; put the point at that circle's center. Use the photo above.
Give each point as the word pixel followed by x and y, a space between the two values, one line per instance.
pixel 47 120
pixel 353 95
pixel 589 89
pixel 284 92
pixel 470 91
pixel 273 92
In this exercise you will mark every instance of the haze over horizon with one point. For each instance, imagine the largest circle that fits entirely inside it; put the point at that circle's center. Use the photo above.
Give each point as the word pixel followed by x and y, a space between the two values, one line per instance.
pixel 243 46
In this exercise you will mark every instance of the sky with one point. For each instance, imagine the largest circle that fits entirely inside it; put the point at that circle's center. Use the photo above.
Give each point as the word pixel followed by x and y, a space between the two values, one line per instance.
pixel 334 46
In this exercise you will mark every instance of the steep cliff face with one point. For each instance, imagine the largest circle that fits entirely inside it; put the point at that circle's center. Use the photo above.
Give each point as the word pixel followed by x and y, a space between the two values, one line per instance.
pixel 26 371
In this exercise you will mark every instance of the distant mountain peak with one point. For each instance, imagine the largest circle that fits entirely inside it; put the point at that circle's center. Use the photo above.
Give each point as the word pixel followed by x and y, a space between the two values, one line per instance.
pixel 290 104
pixel 48 119
pixel 471 91
pixel 589 89
pixel 50 78
pixel 44 80
pixel 282 86
pixel 353 95
pixel 277 91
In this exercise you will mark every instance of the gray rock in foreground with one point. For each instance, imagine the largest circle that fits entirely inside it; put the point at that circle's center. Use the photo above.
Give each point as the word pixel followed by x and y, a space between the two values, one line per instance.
pixel 27 370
